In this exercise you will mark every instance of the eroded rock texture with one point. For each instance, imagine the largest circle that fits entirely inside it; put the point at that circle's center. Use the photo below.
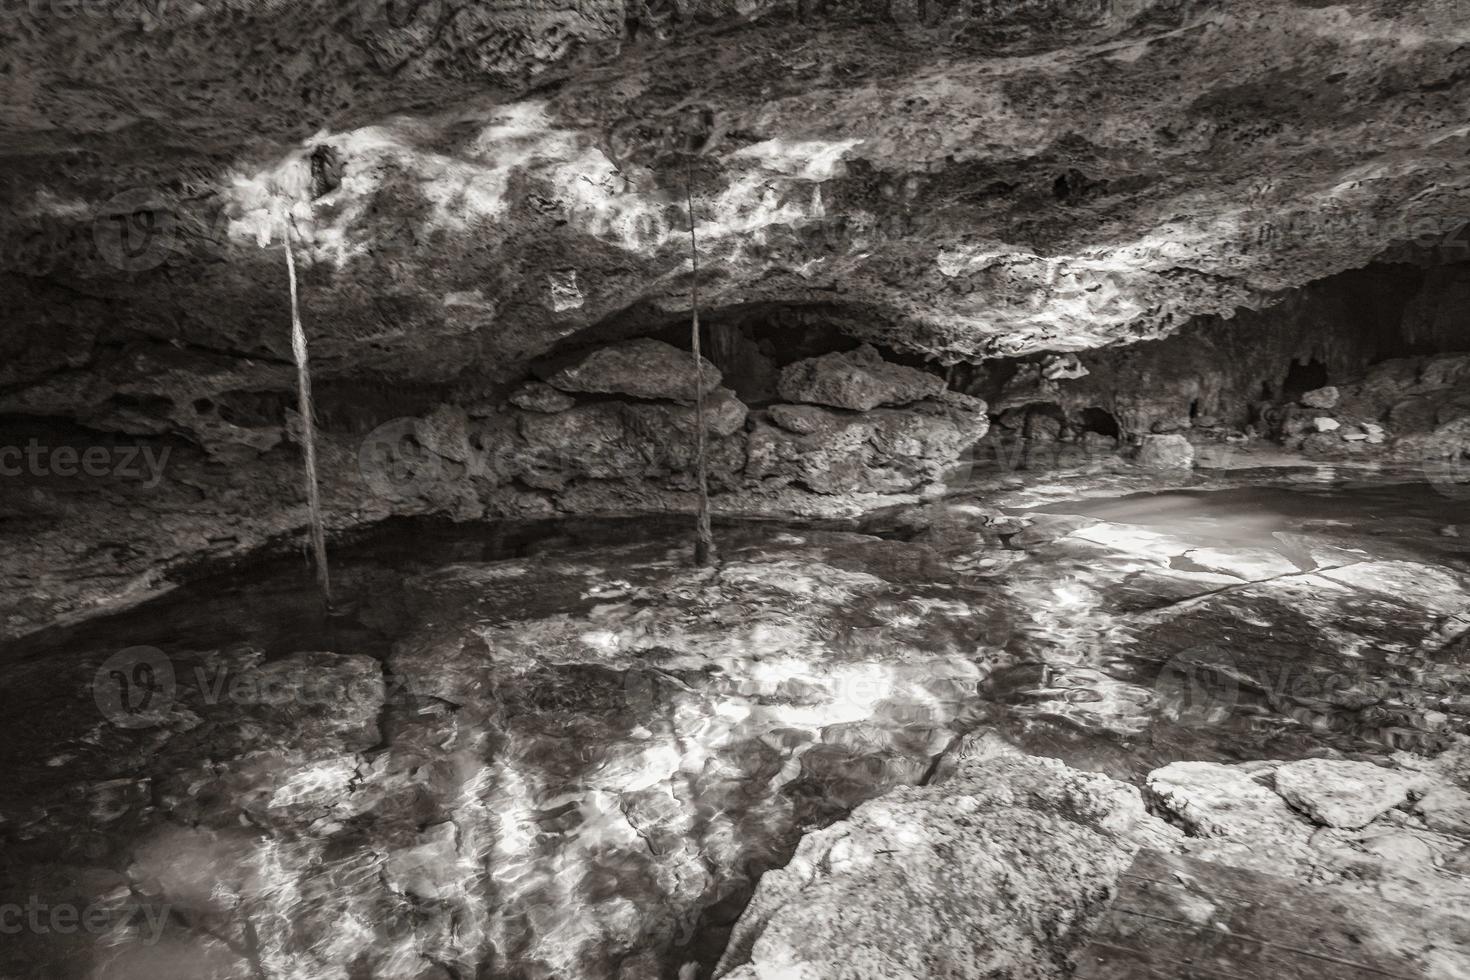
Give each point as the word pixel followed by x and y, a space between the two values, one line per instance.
pixel 1352 367
pixel 1005 869
pixel 476 196
pixel 613 431
pixel 1000 870
pixel 1001 178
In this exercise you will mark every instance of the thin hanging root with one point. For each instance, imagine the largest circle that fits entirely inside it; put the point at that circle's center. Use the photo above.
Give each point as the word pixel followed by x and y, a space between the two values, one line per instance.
pixel 308 430
pixel 704 539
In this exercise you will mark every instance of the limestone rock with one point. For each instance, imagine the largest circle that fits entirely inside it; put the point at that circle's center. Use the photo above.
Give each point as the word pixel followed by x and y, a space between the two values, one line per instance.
pixel 1416 412
pixel 607 440
pixel 972 749
pixel 1446 808
pixel 493 230
pixel 1165 452
pixel 858 380
pixel 1324 424
pixel 1063 367
pixel 724 415
pixel 995 873
pixel 1237 819
pixel 1449 442
pixel 881 451
pixel 426 870
pixel 1321 398
pixel 536 396
pixel 801 419
pixel 641 368
pixel 1340 793
pixel 1220 801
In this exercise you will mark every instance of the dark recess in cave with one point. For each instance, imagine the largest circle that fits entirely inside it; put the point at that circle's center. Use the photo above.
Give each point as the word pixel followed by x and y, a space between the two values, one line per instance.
pixel 1100 421
pixel 1303 377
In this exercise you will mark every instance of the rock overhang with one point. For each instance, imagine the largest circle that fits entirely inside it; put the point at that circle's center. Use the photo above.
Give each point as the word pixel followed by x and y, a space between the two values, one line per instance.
pixel 986 182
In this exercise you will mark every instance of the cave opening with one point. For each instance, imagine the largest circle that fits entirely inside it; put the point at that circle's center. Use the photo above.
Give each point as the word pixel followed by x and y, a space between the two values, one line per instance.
pixel 1100 421
pixel 1303 376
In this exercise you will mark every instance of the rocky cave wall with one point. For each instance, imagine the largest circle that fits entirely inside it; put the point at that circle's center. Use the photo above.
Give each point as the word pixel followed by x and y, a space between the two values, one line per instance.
pixel 473 194
pixel 805 418
pixel 1375 333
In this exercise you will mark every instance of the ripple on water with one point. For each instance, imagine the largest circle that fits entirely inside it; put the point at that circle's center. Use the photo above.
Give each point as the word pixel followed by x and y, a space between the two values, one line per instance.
pixel 581 750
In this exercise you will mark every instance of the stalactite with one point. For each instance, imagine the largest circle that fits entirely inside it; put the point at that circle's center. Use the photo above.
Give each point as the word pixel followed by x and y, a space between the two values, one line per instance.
pixel 308 428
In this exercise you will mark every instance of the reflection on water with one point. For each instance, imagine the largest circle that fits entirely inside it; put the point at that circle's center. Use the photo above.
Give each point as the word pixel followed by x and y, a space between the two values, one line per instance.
pixel 1256 515
pixel 1262 621
pixel 569 745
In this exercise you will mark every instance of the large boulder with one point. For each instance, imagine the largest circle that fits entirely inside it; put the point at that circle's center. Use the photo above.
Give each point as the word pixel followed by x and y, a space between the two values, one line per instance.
pixel 641 368
pixel 612 439
pixel 999 872
pixel 859 380
pixel 883 451
pixel 1166 452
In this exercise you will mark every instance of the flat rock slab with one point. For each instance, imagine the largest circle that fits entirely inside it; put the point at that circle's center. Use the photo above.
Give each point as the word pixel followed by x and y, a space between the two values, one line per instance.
pixel 1446 809
pixel 1219 801
pixel 1183 919
pixel 1341 793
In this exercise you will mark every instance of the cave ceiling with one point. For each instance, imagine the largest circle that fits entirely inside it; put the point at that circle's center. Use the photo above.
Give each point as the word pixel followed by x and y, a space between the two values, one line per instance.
pixel 470 186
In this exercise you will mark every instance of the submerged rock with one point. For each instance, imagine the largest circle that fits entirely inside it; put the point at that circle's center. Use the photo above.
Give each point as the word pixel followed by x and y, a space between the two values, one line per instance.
pixel 859 380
